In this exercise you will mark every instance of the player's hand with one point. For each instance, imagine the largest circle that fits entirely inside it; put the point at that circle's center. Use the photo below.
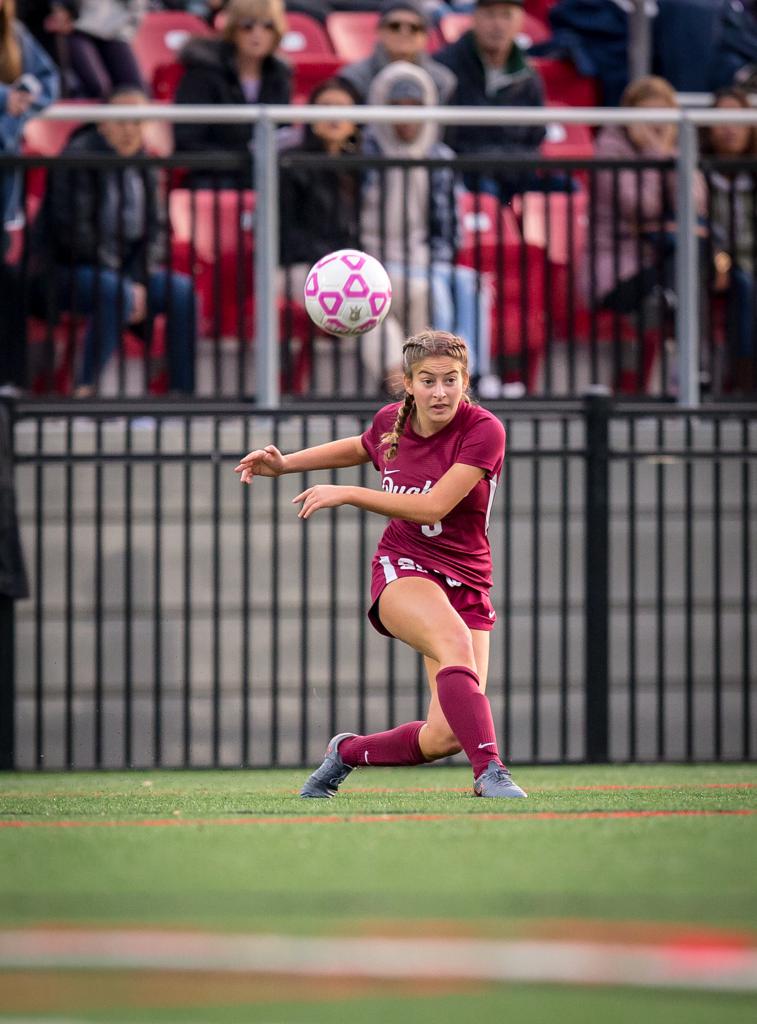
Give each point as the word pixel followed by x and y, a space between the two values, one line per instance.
pixel 266 461
pixel 320 496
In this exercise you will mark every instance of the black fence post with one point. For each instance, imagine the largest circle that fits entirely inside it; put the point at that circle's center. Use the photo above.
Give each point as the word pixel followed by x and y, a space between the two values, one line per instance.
pixel 7 685
pixel 13 585
pixel 597 408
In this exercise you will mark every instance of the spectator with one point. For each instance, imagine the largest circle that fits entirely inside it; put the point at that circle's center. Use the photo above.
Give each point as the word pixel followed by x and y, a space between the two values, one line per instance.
pixel 410 217
pixel 402 35
pixel 28 83
pixel 492 71
pixel 634 246
pixel 320 213
pixel 319 208
pixel 93 44
pixel 733 215
pixel 101 231
pixel 238 68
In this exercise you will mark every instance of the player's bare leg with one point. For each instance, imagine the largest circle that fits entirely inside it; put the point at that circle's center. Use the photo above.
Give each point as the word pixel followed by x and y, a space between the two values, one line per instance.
pixel 417 611
pixel 462 658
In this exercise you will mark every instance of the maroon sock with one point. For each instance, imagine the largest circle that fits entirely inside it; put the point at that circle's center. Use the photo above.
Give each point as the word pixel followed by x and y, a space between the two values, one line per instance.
pixel 382 749
pixel 469 714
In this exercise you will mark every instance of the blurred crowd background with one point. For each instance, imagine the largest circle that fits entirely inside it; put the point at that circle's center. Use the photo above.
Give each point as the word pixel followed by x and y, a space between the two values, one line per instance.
pixel 128 245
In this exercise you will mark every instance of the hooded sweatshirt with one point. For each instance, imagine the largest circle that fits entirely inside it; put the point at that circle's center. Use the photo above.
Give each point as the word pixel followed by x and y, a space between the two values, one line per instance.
pixel 415 208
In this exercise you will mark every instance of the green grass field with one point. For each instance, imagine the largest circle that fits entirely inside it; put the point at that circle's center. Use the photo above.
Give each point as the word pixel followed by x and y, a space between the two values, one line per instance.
pixel 626 856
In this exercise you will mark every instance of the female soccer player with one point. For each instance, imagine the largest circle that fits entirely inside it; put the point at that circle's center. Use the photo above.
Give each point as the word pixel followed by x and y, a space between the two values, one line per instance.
pixel 440 458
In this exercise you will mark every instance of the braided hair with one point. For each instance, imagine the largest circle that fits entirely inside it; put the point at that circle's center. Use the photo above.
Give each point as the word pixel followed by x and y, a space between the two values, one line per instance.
pixel 425 344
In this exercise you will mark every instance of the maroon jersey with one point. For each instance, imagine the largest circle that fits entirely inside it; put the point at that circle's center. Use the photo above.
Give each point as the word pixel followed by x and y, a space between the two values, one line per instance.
pixel 457 546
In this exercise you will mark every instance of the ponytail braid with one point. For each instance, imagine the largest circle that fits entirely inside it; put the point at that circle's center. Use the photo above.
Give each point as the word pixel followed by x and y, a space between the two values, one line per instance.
pixel 392 438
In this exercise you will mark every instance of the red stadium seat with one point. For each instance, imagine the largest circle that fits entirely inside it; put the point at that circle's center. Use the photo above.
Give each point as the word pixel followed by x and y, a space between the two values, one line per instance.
pixel 492 242
pixel 211 236
pixel 46 138
pixel 564 85
pixel 305 36
pixel 556 224
pixel 540 9
pixel 309 50
pixel 568 141
pixel 161 36
pixel 43 138
pixel 165 80
pixel 310 72
pixel 353 33
pixel 212 239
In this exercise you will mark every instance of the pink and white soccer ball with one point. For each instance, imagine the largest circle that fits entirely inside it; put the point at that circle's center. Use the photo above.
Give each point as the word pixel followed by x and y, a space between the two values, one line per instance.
pixel 347 292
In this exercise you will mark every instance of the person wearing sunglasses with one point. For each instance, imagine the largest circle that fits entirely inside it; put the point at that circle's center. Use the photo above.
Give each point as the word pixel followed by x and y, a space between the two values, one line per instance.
pixel 240 67
pixel 402 35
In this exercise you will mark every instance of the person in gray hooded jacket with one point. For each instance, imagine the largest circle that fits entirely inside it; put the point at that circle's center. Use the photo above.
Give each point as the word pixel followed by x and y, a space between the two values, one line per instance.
pixel 410 219
pixel 402 35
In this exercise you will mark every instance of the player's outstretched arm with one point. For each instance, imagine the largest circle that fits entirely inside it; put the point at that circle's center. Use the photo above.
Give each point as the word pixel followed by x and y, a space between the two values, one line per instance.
pixel 269 461
pixel 425 509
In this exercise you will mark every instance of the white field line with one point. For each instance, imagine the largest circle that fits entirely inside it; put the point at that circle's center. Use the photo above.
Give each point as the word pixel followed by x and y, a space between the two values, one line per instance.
pixel 672 965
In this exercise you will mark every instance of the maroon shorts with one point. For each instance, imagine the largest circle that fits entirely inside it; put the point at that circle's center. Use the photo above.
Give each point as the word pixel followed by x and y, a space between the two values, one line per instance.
pixel 473 606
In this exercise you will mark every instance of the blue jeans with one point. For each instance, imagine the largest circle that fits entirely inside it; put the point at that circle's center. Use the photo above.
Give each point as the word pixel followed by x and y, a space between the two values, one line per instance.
pixel 106 297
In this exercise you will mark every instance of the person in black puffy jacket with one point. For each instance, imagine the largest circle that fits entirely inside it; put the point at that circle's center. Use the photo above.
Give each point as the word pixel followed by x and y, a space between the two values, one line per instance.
pixel 238 68
pixel 492 71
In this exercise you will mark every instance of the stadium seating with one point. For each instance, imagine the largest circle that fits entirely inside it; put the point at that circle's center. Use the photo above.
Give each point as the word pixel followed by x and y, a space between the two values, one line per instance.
pixel 540 9
pixel 567 141
pixel 492 242
pixel 564 85
pixel 160 37
pixel 305 35
pixel 557 225
pixel 309 50
pixel 212 240
pixel 353 33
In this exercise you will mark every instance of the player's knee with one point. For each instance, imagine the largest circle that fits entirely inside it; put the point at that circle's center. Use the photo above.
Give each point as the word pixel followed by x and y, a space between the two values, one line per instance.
pixel 457 647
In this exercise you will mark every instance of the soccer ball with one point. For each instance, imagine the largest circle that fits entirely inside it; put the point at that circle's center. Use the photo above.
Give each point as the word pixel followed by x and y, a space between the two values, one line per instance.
pixel 347 292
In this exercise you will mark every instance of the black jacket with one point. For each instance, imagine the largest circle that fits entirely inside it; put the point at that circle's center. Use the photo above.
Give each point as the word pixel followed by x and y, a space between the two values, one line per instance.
pixel 79 221
pixel 522 87
pixel 211 76
pixel 318 208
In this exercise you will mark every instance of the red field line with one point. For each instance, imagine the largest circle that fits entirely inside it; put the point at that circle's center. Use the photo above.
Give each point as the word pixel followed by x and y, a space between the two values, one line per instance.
pixel 379 819
pixel 560 789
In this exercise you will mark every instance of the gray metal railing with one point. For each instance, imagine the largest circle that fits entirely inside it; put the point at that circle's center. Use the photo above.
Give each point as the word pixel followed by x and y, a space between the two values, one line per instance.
pixel 267 118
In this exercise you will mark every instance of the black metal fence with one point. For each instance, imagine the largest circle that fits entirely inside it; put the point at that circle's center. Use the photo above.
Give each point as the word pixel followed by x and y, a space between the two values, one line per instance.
pixel 555 270
pixel 178 619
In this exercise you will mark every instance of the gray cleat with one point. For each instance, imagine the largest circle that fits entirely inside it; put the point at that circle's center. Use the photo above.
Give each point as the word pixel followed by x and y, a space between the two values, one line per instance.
pixel 496 781
pixel 325 781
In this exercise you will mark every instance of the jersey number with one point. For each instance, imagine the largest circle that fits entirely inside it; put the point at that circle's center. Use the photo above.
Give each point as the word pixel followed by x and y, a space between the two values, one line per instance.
pixel 431 531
